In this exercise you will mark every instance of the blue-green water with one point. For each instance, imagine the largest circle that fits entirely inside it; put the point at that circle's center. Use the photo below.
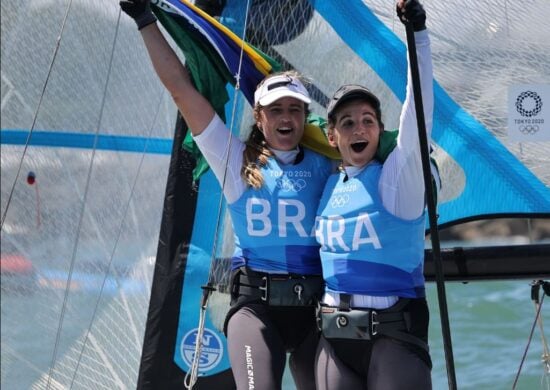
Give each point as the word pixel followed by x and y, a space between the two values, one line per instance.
pixel 490 325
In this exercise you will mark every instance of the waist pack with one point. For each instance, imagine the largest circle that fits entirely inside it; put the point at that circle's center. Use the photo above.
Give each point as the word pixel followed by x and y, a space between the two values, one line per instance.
pixel 367 324
pixel 279 289
pixel 358 324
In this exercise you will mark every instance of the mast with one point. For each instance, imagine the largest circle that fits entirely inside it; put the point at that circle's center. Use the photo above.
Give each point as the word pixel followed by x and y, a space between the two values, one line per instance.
pixel 430 200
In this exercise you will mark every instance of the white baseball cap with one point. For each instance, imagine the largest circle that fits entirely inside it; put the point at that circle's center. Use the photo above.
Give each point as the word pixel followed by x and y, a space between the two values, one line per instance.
pixel 280 86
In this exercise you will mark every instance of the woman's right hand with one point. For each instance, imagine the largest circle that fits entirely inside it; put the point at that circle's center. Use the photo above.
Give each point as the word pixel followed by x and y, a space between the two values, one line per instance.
pixel 195 108
pixel 411 11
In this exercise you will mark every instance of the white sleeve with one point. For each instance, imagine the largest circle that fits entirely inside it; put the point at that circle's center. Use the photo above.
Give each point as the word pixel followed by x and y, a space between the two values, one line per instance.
pixel 222 149
pixel 401 183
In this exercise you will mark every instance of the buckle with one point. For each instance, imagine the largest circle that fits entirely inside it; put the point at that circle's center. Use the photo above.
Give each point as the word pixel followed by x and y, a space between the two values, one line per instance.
pixel 298 289
pixel 263 289
pixel 374 323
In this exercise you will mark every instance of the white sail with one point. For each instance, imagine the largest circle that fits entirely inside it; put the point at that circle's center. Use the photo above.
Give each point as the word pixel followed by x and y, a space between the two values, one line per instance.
pixel 77 81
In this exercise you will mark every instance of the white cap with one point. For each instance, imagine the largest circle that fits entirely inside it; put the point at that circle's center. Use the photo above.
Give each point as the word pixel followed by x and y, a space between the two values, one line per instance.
pixel 280 86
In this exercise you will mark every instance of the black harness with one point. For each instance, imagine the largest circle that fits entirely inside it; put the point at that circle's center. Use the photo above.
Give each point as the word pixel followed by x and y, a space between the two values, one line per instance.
pixel 343 322
pixel 278 289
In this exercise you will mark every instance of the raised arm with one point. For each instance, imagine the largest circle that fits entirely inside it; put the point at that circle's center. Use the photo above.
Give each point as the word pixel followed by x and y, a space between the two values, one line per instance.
pixel 194 108
pixel 408 135
pixel 402 185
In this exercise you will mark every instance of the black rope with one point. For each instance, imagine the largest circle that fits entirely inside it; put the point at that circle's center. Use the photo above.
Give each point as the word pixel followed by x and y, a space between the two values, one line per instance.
pixel 535 296
pixel 432 213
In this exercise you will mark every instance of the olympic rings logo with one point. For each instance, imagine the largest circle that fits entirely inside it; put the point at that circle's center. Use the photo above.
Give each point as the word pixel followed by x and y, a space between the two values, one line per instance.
pixel 526 95
pixel 529 129
pixel 339 201
pixel 290 185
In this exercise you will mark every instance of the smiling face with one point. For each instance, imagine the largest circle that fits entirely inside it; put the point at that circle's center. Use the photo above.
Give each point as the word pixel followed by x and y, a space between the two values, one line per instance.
pixel 355 132
pixel 282 123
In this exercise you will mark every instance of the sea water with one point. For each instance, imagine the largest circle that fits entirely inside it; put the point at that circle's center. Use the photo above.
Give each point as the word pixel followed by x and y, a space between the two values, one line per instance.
pixel 490 325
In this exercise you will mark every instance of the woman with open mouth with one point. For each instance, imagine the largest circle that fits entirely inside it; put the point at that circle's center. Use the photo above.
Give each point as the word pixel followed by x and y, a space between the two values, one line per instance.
pixel 272 186
pixel 371 220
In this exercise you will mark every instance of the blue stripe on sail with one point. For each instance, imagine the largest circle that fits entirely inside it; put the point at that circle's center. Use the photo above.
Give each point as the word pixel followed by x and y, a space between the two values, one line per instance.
pixel 496 182
pixel 197 270
pixel 117 143
pixel 198 263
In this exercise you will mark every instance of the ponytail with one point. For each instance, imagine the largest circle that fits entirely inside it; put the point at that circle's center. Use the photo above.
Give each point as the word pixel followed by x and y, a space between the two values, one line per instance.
pixel 255 157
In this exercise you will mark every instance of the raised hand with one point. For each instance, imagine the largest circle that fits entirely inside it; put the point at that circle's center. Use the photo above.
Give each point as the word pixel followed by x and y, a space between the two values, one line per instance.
pixel 140 11
pixel 411 11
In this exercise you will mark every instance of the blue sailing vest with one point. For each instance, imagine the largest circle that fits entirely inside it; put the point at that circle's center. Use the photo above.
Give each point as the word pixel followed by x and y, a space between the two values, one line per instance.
pixel 275 225
pixel 365 249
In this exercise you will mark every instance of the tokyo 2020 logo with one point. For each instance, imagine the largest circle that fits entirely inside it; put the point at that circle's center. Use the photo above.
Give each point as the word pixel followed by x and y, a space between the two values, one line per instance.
pixel 528 104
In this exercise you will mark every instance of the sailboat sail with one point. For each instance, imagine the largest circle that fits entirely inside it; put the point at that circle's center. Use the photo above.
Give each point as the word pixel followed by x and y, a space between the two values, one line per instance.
pixel 85 228
pixel 93 296
pixel 378 55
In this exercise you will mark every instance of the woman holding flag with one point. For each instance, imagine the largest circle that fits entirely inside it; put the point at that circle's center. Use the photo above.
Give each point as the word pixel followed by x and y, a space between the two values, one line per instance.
pixel 272 186
pixel 374 315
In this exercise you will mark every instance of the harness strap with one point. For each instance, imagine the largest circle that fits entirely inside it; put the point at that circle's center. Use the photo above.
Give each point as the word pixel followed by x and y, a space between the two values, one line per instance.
pixel 402 333
pixel 345 302
pixel 391 318
pixel 251 280
pixel 252 292
pixel 277 289
pixel 404 336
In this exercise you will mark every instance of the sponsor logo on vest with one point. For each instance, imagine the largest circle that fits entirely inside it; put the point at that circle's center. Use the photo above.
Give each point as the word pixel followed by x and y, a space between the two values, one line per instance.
pixel 249 366
pixel 289 212
pixel 330 233
pixel 211 353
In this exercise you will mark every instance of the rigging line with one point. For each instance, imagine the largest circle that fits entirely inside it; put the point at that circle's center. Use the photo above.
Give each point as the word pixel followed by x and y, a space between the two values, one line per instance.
pixel 35 116
pixel 545 350
pixel 432 212
pixel 124 214
pixel 231 128
pixel 81 217
pixel 507 18
pixel 529 339
pixel 192 375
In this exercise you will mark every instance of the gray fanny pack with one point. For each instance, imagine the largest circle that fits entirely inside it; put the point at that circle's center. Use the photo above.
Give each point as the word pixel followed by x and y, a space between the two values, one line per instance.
pixel 348 324
pixel 367 324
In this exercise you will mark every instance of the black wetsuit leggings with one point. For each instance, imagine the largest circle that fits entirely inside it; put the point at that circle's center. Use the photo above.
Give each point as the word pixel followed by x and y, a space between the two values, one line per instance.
pixel 384 364
pixel 259 337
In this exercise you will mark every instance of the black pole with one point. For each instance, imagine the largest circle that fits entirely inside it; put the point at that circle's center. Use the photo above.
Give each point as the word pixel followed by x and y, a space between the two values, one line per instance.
pixel 430 200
